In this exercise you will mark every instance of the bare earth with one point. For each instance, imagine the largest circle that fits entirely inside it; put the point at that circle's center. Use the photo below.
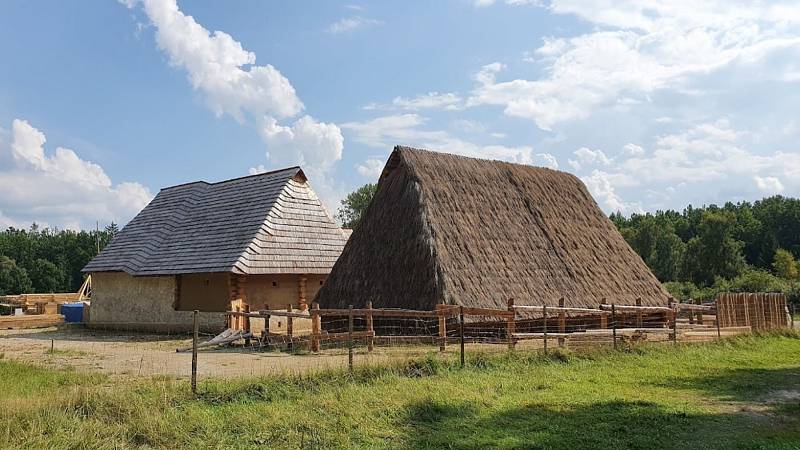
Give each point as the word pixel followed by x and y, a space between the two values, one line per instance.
pixel 133 354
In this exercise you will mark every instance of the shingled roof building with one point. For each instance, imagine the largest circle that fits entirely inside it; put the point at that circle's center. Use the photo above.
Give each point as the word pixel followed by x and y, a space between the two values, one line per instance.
pixel 461 231
pixel 260 241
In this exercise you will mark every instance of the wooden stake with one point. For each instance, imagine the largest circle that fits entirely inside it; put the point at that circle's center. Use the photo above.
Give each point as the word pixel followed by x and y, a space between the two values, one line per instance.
pixel 719 333
pixel 442 328
pixel 316 327
pixel 614 325
pixel 350 338
pixel 461 333
pixel 639 314
pixel 195 327
pixel 675 325
pixel 290 328
pixel 544 321
pixel 562 322
pixel 511 325
pixel 370 329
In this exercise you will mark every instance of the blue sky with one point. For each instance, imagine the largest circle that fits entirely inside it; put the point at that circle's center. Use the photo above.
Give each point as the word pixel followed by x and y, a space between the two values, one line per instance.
pixel 653 104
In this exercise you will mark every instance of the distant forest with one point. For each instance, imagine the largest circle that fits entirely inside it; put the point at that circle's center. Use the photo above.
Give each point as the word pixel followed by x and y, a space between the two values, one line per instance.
pixel 696 253
pixel 741 247
pixel 47 260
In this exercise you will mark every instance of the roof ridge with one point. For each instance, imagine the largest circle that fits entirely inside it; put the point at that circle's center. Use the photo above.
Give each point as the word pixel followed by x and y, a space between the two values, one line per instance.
pixel 255 175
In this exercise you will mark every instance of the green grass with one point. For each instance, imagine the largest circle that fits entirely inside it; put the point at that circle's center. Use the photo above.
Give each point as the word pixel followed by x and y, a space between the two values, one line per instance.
pixel 731 394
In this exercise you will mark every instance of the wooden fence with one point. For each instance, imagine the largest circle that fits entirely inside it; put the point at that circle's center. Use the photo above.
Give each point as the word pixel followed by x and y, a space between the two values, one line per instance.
pixel 760 311
pixel 509 326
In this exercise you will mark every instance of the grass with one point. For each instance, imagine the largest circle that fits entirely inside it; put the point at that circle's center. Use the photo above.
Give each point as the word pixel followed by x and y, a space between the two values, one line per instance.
pixel 731 394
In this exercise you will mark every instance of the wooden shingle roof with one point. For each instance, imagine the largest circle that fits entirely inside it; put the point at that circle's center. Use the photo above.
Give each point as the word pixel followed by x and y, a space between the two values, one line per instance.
pixel 270 223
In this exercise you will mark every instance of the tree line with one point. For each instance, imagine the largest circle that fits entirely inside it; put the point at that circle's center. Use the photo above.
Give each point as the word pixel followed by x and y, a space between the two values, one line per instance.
pixel 737 247
pixel 45 260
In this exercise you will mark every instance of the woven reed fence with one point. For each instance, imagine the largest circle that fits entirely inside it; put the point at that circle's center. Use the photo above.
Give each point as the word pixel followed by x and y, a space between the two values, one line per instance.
pixel 760 311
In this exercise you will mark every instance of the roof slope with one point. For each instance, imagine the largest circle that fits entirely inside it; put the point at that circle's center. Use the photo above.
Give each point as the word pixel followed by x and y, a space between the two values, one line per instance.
pixel 450 229
pixel 262 224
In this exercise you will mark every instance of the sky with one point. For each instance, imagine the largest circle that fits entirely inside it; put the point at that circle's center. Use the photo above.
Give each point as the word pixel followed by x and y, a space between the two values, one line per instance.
pixel 654 105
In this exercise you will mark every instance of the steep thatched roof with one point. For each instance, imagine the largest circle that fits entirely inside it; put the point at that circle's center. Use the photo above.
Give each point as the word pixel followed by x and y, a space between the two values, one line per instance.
pixel 270 223
pixel 450 229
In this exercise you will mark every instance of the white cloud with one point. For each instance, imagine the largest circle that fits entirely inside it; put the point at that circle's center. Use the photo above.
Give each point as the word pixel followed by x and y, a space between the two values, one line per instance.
pixel 219 67
pixel 431 100
pixel 546 160
pixel 484 3
pixel 601 186
pixel 637 48
pixel 315 146
pixel 348 24
pixel 406 129
pixel 371 168
pixel 704 163
pixel 257 170
pixel 588 157
pixel 232 83
pixel 60 188
pixel 632 150
pixel 769 185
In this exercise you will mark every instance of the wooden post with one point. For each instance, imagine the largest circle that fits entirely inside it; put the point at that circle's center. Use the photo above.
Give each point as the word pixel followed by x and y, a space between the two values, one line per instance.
pixel 511 326
pixel 350 338
pixel 719 333
pixel 639 314
pixel 562 322
pixel 675 323
pixel 544 326
pixel 301 290
pixel 246 325
pixel 614 325
pixel 442 327
pixel 370 329
pixel 316 327
pixel 461 333
pixel 603 317
pixel 290 328
pixel 195 327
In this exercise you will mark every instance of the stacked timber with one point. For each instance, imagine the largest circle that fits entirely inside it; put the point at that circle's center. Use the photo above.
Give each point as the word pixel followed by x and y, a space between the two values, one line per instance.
pixel 30 321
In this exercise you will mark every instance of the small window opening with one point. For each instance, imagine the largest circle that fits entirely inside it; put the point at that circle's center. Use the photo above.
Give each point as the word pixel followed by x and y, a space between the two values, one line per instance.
pixel 274 284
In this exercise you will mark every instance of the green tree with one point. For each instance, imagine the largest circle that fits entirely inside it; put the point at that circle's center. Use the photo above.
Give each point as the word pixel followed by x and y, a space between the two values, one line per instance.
pixel 714 252
pixel 47 277
pixel 785 265
pixel 13 279
pixel 354 205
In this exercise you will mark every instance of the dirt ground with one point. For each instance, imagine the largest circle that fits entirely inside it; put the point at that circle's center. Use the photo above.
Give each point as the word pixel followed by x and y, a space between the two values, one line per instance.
pixel 143 355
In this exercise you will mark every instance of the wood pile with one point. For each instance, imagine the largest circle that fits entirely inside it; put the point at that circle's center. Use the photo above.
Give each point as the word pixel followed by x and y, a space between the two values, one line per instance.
pixel 30 321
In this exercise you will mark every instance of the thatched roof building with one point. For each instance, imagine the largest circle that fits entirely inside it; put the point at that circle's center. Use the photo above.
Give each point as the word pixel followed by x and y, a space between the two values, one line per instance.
pixel 258 241
pixel 449 229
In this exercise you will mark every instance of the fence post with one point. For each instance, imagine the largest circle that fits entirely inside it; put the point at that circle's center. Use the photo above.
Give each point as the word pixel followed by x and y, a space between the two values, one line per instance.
pixel 544 326
pixel 674 323
pixel 716 320
pixel 442 327
pixel 603 317
pixel 511 326
pixel 370 329
pixel 290 328
pixel 246 325
pixel 195 327
pixel 562 322
pixel 461 332
pixel 350 337
pixel 639 314
pixel 316 327
pixel 614 325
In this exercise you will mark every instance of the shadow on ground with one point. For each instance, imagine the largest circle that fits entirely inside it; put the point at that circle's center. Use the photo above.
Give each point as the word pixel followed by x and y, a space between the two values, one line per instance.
pixel 756 408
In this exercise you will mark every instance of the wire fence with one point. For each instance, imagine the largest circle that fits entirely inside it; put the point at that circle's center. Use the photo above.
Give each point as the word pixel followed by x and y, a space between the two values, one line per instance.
pixel 279 341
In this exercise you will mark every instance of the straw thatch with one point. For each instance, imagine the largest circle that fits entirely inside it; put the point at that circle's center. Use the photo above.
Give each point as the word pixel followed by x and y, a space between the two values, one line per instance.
pixel 450 229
